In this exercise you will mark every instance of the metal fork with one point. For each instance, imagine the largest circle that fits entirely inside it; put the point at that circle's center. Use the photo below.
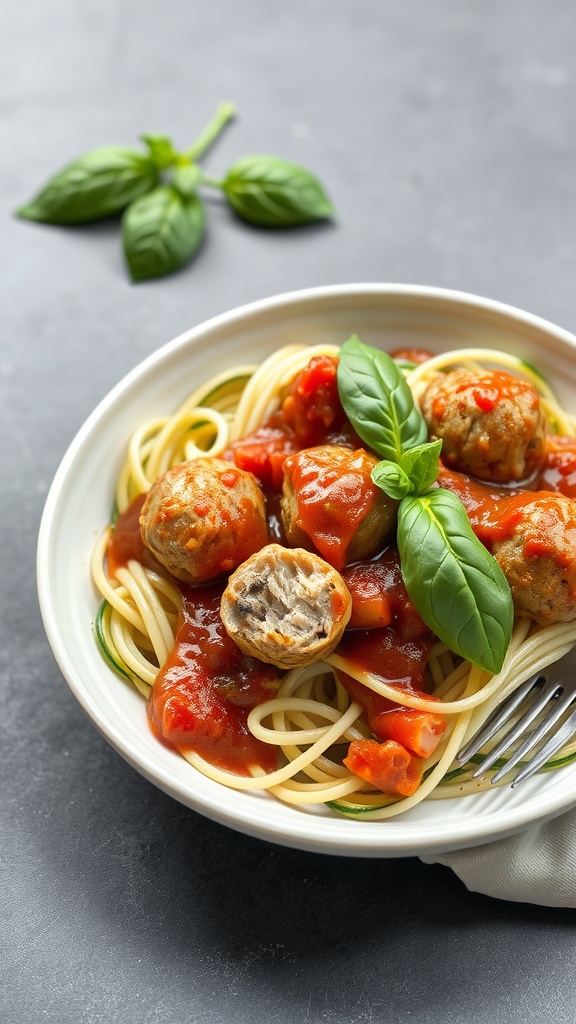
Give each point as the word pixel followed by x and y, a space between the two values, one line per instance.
pixel 554 686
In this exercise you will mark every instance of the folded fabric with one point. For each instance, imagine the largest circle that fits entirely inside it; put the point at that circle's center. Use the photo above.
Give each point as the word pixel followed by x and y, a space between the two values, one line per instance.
pixel 538 866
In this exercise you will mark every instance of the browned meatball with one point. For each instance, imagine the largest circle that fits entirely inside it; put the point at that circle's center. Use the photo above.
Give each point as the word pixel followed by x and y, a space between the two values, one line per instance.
pixel 330 503
pixel 491 423
pixel 286 606
pixel 203 518
pixel 537 554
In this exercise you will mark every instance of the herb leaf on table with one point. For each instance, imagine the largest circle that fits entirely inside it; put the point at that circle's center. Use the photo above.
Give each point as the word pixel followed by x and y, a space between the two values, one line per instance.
pixel 99 184
pixel 157 191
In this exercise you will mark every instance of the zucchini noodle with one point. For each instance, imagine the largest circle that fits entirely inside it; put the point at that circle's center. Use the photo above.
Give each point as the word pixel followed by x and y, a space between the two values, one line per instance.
pixel 311 719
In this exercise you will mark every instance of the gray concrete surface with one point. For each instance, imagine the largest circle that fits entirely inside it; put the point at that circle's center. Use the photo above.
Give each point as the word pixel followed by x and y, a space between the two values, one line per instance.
pixel 444 132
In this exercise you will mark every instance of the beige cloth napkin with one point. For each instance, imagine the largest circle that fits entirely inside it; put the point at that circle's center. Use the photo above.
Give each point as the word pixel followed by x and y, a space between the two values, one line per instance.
pixel 538 866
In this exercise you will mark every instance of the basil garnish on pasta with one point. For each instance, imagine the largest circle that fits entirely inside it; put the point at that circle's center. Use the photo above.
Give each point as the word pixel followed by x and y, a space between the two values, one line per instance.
pixel 378 401
pixel 457 587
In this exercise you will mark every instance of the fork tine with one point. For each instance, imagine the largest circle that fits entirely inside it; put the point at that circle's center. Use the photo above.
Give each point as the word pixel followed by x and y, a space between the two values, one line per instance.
pixel 565 732
pixel 556 711
pixel 521 725
pixel 496 721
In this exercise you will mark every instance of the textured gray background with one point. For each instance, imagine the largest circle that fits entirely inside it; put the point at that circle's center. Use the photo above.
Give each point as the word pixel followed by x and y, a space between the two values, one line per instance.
pixel 444 131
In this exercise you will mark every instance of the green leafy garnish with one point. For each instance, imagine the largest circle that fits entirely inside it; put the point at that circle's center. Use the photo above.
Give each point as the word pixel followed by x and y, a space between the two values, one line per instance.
pixel 378 401
pixel 274 193
pixel 457 587
pixel 161 232
pixel 100 183
pixel 158 192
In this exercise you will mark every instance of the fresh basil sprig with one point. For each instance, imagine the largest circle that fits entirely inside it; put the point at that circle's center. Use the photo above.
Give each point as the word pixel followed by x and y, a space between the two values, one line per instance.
pixel 158 191
pixel 458 588
pixel 415 472
pixel 378 401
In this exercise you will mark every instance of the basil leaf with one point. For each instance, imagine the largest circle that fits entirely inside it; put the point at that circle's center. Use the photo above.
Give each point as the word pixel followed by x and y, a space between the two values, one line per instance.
pixel 161 231
pixel 392 479
pixel 162 151
pixel 378 401
pixel 100 183
pixel 186 179
pixel 421 465
pixel 457 587
pixel 271 192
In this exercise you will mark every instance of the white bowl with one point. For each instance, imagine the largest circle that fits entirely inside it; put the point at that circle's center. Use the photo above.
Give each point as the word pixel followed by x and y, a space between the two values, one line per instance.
pixel 80 500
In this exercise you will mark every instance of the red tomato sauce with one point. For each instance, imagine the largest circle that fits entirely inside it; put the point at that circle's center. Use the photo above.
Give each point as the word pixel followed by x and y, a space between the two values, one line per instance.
pixel 385 653
pixel 310 415
pixel 495 512
pixel 201 698
pixel 382 575
pixel 396 653
pixel 126 541
pixel 333 497
pixel 559 470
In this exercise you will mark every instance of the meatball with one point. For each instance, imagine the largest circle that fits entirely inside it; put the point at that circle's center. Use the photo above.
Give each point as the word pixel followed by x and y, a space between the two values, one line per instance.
pixel 286 606
pixel 491 424
pixel 203 518
pixel 329 503
pixel 537 553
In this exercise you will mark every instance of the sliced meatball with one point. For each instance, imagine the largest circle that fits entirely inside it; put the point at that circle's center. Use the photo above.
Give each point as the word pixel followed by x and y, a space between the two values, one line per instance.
pixel 330 504
pixel 203 518
pixel 286 606
pixel 537 554
pixel 491 423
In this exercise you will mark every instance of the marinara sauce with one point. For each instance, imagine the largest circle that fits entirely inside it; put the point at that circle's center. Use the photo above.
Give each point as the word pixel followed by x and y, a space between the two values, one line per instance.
pixel 202 696
pixel 311 414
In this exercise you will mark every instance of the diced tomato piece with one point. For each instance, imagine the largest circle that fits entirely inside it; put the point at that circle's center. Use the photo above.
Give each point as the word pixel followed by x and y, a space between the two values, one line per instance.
pixel 382 577
pixel 370 611
pixel 372 603
pixel 387 766
pixel 313 405
pixel 419 731
pixel 263 453
pixel 559 470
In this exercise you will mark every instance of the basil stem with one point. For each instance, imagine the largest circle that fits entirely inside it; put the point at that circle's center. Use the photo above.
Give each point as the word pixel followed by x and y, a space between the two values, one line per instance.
pixel 224 113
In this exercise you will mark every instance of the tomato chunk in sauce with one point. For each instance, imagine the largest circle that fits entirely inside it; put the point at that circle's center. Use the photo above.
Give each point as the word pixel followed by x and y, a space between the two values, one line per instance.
pixel 396 652
pixel 387 766
pixel 201 698
pixel 311 414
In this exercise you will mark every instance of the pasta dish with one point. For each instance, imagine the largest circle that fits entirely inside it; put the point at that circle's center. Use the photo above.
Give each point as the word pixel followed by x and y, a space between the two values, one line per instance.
pixel 323 573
